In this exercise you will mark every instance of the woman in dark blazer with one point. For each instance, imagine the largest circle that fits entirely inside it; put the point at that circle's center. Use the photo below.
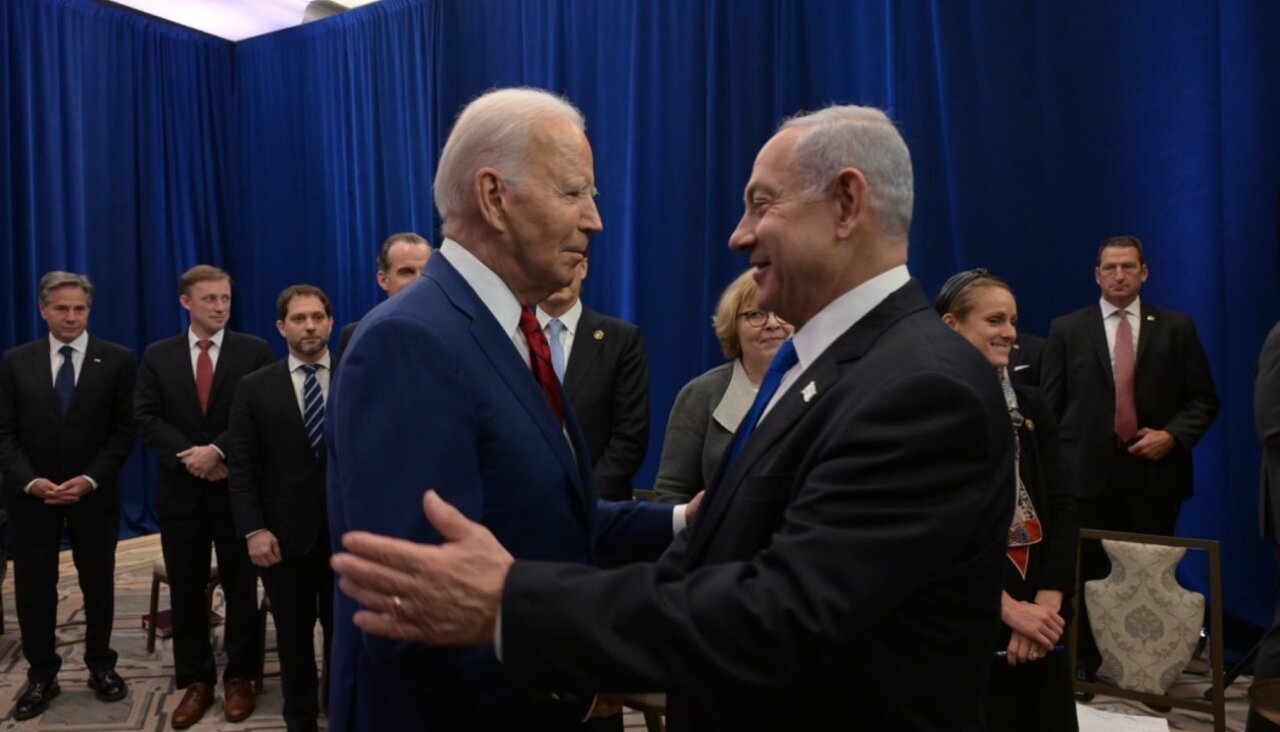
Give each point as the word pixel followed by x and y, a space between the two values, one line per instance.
pixel 708 409
pixel 1030 685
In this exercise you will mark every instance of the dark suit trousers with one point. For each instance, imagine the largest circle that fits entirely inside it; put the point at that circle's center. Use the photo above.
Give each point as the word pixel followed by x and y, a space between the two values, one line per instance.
pixel 185 542
pixel 36 537
pixel 1125 505
pixel 301 592
pixel 1267 666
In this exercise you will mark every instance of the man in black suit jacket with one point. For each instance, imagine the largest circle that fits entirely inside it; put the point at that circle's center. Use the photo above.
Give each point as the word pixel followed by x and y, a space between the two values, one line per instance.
pixel 182 404
pixel 1135 481
pixel 849 561
pixel 1266 416
pixel 278 492
pixel 65 429
pixel 602 364
pixel 400 260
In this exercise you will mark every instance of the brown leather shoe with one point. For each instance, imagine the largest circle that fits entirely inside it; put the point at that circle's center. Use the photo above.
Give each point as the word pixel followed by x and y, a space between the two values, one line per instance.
pixel 239 699
pixel 194 704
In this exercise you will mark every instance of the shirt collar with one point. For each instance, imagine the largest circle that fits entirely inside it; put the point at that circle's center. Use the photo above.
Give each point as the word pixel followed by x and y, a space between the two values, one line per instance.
pixel 489 287
pixel 296 363
pixel 80 343
pixel 1134 308
pixel 569 318
pixel 840 314
pixel 193 339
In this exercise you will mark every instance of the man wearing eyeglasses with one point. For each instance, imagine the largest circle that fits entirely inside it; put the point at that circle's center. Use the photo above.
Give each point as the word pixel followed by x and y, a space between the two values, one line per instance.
pixel 602 364
pixel 1130 384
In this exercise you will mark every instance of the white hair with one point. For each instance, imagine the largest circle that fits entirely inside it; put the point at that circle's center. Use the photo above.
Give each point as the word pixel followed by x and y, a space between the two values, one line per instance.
pixel 494 131
pixel 857 137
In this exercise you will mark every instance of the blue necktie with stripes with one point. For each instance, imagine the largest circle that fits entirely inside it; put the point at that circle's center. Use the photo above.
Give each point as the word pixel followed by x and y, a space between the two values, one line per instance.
pixel 313 408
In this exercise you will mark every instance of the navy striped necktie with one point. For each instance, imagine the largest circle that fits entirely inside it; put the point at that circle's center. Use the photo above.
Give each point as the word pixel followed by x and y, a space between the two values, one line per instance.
pixel 313 408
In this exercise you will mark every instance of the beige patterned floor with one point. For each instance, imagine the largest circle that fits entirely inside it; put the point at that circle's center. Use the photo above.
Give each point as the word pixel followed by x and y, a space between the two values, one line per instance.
pixel 152 696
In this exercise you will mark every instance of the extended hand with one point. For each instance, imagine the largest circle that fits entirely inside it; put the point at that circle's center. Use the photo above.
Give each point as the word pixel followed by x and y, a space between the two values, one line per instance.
pixel 264 550
pixel 447 594
pixel 1152 444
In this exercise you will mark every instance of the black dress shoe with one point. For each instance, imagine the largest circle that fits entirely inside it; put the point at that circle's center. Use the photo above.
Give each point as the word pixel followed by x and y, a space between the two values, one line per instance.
pixel 35 699
pixel 107 685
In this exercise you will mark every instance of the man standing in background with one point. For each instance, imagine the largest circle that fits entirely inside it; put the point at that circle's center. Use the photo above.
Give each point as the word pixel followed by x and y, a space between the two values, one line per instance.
pixel 278 492
pixel 182 404
pixel 602 364
pixel 66 426
pixel 1130 385
pixel 400 261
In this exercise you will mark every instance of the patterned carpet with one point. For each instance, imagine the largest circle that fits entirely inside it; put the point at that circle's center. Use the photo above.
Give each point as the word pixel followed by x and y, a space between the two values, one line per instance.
pixel 150 675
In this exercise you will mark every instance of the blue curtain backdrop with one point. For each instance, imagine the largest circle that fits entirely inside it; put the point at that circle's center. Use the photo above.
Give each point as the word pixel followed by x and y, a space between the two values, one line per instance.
pixel 135 149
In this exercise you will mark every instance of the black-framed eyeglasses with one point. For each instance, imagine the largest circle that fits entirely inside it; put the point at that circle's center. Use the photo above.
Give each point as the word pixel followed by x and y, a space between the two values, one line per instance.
pixel 756 318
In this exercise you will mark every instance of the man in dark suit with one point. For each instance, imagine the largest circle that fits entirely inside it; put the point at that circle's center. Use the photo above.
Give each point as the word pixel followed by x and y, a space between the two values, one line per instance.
pixel 277 468
pixel 602 365
pixel 1266 416
pixel 65 429
pixel 400 260
pixel 1130 385
pixel 449 385
pixel 182 404
pixel 848 562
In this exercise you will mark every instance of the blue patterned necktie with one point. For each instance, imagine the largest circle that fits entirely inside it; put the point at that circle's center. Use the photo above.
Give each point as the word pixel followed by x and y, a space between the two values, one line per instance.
pixel 313 407
pixel 65 384
pixel 554 329
pixel 782 362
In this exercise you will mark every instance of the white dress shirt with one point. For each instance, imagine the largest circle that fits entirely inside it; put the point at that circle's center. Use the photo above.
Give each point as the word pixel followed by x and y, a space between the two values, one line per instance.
pixel 300 378
pixel 1111 323
pixel 570 320
pixel 80 344
pixel 817 335
pixel 193 343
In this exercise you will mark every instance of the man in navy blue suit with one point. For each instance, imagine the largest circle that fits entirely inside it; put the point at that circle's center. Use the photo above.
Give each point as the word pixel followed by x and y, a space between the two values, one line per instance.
pixel 848 561
pixel 448 386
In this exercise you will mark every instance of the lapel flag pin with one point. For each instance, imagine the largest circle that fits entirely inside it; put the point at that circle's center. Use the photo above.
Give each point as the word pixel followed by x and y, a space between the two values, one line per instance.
pixel 97 360
pixel 1151 318
pixel 809 391
pixel 598 335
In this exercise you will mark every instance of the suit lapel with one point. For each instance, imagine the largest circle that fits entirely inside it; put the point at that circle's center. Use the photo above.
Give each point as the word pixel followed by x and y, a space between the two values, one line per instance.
pixel 89 368
pixel 805 393
pixel 585 349
pixel 183 371
pixel 1097 335
pixel 285 398
pixel 230 345
pixel 504 358
pixel 1145 331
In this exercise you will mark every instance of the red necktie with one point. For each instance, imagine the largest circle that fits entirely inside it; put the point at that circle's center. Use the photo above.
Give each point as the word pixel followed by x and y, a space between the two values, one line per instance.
pixel 204 375
pixel 1126 412
pixel 540 361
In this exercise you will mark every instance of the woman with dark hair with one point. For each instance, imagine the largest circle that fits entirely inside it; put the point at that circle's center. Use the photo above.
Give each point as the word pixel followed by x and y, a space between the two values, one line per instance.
pixel 708 409
pixel 1030 685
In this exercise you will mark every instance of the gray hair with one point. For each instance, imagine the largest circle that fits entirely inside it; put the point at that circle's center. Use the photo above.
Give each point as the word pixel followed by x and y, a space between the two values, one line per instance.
pixel 857 137
pixel 494 131
pixel 53 280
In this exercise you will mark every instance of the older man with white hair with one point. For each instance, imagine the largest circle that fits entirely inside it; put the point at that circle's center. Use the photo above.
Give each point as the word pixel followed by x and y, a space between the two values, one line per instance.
pixel 846 569
pixel 449 386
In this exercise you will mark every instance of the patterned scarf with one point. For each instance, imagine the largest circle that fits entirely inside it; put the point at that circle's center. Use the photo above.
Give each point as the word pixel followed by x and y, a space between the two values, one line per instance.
pixel 1025 529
